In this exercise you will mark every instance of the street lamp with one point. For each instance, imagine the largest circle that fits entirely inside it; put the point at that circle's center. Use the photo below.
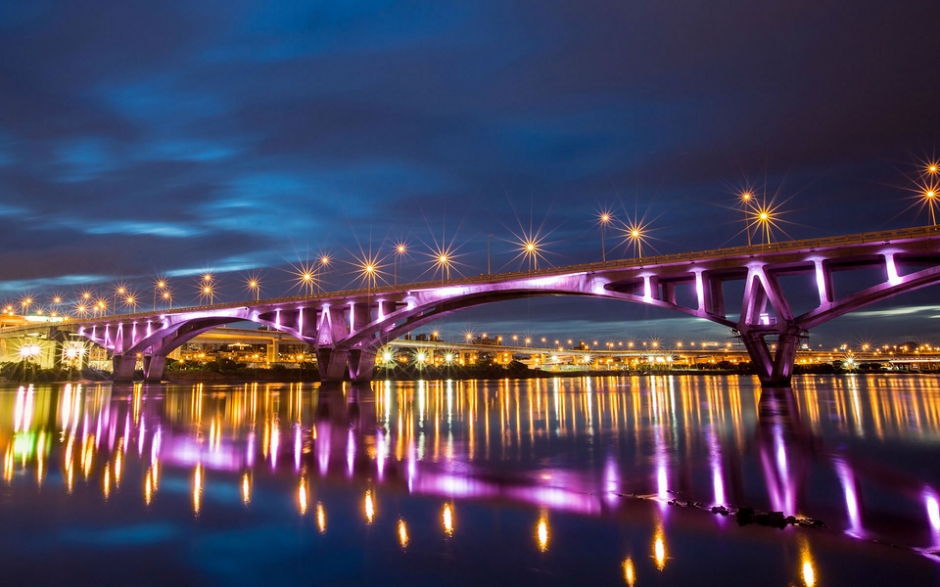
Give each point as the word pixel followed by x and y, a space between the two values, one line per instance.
pixel 930 195
pixel 206 293
pixel 488 237
pixel 321 268
pixel 254 286
pixel 168 298
pixel 158 285
pixel 120 291
pixel 400 250
pixel 746 206
pixel 604 220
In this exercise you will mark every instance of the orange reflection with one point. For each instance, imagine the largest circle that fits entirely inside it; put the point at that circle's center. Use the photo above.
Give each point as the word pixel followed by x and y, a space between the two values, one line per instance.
pixel 629 573
pixel 659 549
pixel 541 533
pixel 402 533
pixel 369 507
pixel 447 518
pixel 321 518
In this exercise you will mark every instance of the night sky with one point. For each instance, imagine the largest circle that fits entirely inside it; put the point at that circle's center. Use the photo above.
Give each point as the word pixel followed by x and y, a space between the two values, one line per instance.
pixel 170 138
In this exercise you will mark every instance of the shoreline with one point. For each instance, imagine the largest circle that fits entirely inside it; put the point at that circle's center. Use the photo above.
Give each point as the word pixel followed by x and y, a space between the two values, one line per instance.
pixel 267 376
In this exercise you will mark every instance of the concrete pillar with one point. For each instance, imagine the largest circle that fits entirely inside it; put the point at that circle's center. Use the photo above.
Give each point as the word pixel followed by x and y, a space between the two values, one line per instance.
pixel 332 364
pixel 773 369
pixel 153 368
pixel 273 349
pixel 123 367
pixel 361 364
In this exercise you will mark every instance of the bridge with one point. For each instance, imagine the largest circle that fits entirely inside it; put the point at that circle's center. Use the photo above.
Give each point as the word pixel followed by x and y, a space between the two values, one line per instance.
pixel 346 328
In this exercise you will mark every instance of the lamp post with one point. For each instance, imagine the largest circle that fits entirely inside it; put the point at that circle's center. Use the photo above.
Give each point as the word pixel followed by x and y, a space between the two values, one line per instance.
pixel 321 269
pixel 746 206
pixel 159 285
pixel 400 251
pixel 604 220
pixel 120 291
pixel 254 287
pixel 488 237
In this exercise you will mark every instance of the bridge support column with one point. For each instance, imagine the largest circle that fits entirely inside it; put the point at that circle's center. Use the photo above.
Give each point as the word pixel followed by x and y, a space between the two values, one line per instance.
pixel 123 367
pixel 332 364
pixel 773 368
pixel 361 364
pixel 153 368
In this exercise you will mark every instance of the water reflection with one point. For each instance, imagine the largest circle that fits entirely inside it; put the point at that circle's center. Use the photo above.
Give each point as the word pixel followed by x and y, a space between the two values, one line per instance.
pixel 557 445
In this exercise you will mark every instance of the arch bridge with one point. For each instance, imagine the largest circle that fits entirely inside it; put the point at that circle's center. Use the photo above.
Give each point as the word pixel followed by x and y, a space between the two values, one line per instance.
pixel 346 328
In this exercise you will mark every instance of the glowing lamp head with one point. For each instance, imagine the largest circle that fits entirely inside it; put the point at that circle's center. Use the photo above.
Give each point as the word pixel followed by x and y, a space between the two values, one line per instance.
pixel 400 248
pixel 746 196
pixel 207 290
pixel 933 169
pixel 930 193
pixel 307 276
pixel 635 233
pixel 57 300
pixel 605 218
pixel 530 247
pixel 121 290
pixel 370 268
pixel 161 284
pixel 324 260
pixel 764 216
pixel 166 295
pixel 442 259
pixel 252 284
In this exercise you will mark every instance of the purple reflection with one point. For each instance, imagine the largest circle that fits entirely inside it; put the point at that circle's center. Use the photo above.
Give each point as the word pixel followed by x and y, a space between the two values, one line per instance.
pixel 298 446
pixel 779 483
pixel 350 452
pixel 714 450
pixel 189 452
pixel 847 478
pixel 611 480
pixel 933 514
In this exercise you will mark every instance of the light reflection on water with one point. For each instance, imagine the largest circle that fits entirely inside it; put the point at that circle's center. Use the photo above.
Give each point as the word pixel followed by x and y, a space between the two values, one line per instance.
pixel 849 451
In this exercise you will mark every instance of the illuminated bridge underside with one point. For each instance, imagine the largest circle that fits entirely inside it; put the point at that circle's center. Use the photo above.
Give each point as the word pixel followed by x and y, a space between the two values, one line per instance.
pixel 347 328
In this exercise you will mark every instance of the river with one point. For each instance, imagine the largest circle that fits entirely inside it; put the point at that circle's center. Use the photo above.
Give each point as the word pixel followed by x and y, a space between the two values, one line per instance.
pixel 594 480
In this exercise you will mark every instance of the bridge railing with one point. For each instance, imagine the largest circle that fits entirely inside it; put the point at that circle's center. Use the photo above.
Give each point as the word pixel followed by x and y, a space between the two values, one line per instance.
pixel 884 236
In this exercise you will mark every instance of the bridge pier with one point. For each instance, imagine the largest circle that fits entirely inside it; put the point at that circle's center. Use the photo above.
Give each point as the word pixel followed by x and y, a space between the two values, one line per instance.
pixel 773 368
pixel 153 368
pixel 123 367
pixel 361 364
pixel 332 364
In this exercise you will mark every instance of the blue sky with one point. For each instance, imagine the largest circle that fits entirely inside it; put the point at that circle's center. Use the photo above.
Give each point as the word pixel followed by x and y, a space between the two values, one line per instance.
pixel 170 138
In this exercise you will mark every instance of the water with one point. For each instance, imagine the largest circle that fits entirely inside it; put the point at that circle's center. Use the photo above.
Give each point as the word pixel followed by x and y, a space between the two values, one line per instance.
pixel 558 481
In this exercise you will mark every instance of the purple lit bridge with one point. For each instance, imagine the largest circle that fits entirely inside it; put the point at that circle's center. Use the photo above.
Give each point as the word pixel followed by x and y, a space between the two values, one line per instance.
pixel 346 328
